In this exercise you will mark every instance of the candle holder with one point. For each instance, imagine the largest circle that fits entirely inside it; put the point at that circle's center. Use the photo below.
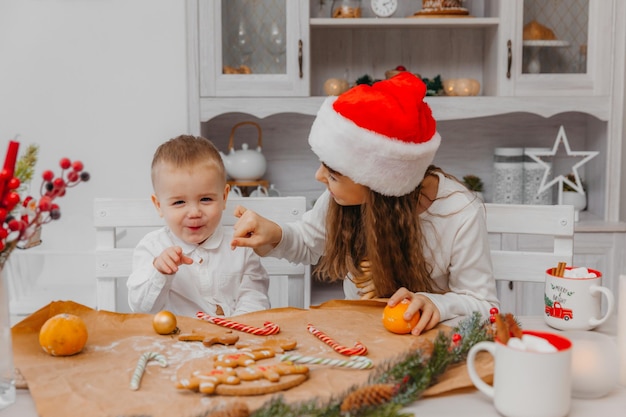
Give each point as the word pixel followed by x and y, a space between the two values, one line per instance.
pixel 594 356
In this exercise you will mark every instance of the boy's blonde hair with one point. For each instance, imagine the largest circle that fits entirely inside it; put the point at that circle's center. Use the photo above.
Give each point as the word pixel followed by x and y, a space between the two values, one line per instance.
pixel 187 150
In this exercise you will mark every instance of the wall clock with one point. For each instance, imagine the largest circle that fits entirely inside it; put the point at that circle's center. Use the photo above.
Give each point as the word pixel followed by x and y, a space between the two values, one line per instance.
pixel 384 8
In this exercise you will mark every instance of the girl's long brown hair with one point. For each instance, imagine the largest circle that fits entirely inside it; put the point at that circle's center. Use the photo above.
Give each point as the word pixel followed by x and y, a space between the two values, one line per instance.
pixel 386 231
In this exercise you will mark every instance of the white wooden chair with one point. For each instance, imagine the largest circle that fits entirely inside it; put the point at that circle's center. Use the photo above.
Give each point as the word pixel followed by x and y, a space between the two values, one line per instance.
pixel 120 223
pixel 525 241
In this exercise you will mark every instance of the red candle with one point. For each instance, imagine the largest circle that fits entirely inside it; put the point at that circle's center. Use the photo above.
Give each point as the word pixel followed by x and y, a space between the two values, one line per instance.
pixel 11 157
pixel 9 166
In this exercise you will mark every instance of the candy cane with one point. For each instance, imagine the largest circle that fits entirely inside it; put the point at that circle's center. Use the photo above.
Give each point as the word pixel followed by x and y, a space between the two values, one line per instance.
pixel 356 362
pixel 358 349
pixel 141 367
pixel 269 328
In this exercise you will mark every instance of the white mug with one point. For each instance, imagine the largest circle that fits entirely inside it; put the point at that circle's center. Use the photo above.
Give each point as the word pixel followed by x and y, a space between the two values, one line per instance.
pixel 575 303
pixel 527 383
pixel 273 192
pixel 259 192
pixel 234 191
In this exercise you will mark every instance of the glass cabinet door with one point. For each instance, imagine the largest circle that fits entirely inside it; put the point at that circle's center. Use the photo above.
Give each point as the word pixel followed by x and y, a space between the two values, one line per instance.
pixel 253 48
pixel 560 47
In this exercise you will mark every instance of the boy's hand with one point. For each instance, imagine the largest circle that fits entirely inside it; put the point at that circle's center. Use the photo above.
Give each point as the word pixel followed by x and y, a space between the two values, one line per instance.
pixel 168 261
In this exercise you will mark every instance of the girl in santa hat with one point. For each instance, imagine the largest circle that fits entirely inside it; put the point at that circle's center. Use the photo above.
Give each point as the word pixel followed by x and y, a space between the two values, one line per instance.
pixel 390 224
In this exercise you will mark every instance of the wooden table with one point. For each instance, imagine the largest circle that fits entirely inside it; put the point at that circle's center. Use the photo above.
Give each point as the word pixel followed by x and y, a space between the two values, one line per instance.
pixel 468 404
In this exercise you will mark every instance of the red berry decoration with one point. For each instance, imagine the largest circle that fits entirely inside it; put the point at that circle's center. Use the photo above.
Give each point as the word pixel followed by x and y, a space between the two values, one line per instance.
pixel 14 225
pixel 493 311
pixel 456 338
pixel 65 163
pixel 47 175
pixel 77 166
pixel 58 183
pixel 45 203
pixel 400 68
pixel 11 200
pixel 13 183
pixel 19 222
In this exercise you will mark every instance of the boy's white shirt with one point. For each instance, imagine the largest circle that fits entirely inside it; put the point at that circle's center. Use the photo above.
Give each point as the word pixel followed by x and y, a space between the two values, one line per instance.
pixel 234 280
pixel 456 245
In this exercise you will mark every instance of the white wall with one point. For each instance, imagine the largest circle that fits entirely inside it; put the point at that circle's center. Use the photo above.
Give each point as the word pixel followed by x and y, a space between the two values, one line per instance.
pixel 103 81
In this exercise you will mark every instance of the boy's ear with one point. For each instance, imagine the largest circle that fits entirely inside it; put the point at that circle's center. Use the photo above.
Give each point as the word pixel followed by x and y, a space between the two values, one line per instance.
pixel 157 204
pixel 226 192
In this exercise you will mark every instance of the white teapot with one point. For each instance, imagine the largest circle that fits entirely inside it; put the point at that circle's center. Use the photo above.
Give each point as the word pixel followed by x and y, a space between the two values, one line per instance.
pixel 245 164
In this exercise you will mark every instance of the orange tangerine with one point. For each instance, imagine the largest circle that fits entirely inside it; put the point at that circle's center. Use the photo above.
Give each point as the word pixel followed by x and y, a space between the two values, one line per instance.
pixel 63 335
pixel 393 320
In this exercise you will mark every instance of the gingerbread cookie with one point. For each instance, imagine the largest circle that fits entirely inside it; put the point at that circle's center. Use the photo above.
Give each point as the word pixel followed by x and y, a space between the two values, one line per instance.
pixel 270 372
pixel 207 381
pixel 278 345
pixel 246 358
pixel 209 338
pixel 262 386
pixel 243 380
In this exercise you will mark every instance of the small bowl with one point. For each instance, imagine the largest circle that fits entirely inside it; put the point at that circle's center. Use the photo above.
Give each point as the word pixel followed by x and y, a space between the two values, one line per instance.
pixel 461 87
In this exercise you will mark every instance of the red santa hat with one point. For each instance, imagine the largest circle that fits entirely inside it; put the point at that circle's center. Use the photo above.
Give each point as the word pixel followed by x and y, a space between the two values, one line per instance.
pixel 382 136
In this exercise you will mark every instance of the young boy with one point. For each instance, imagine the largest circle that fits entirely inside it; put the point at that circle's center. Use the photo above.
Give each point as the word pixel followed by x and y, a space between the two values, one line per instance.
pixel 188 265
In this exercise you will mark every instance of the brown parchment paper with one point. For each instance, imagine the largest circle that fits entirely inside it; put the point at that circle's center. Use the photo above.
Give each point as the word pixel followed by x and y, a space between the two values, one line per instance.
pixel 96 381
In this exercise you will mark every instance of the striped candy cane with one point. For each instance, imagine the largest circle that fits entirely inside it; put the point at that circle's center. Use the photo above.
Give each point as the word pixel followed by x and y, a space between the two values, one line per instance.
pixel 268 328
pixel 355 362
pixel 141 367
pixel 358 349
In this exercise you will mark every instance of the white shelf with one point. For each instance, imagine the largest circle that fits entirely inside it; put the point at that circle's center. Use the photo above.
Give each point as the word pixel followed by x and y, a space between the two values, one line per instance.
pixel 444 108
pixel 398 22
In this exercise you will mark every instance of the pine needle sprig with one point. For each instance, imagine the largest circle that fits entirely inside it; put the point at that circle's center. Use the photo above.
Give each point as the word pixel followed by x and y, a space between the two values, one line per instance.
pixel 25 166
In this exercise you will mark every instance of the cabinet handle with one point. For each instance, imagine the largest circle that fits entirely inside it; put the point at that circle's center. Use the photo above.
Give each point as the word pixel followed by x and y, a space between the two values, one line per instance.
pixel 300 56
pixel 509 58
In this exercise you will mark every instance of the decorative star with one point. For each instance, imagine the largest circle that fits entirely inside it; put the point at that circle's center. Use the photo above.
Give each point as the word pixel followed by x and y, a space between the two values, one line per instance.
pixel 561 137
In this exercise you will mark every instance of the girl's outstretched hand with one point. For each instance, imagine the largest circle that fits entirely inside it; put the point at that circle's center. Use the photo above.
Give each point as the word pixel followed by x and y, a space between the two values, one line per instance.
pixel 429 313
pixel 255 231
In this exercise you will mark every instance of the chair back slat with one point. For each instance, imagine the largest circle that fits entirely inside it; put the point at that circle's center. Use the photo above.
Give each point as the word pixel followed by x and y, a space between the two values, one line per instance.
pixel 525 241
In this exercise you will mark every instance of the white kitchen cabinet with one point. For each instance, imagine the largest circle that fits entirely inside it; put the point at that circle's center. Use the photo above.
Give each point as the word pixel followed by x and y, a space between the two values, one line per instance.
pixel 252 48
pixel 574 63
pixel 487 46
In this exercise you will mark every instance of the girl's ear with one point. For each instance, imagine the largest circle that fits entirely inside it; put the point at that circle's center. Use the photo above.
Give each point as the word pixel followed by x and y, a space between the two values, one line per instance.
pixel 157 204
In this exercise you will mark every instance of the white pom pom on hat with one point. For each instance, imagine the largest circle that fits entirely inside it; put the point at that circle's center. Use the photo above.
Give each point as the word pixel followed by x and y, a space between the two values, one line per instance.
pixel 382 136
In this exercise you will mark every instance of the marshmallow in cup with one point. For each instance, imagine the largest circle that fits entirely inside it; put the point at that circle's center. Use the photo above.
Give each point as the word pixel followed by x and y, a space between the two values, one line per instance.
pixel 580 272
